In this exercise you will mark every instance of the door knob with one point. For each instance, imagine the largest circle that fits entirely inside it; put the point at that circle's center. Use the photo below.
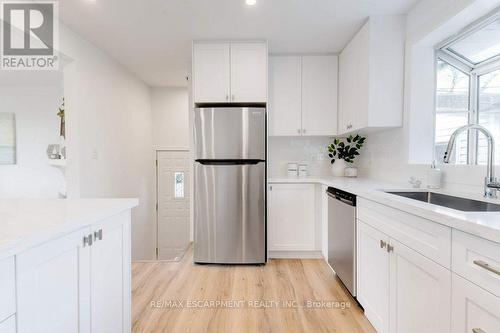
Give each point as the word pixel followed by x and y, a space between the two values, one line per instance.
pixel 390 248
pixel 382 244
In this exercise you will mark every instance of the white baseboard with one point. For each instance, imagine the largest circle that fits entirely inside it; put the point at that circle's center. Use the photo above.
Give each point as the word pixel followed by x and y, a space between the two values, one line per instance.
pixel 295 255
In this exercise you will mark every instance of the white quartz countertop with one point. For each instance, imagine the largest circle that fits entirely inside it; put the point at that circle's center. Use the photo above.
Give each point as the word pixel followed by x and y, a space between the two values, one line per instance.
pixel 27 222
pixel 482 224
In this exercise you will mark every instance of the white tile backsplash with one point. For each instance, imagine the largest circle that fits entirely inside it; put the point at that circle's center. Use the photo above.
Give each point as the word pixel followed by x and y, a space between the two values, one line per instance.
pixel 308 150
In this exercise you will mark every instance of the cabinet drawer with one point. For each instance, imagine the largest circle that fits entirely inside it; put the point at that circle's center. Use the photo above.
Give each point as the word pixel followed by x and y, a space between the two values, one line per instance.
pixel 478 260
pixel 428 238
pixel 7 288
pixel 473 308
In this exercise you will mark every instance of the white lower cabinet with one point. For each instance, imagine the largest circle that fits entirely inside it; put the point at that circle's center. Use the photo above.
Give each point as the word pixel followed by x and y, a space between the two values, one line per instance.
pixel 77 283
pixel 53 282
pixel 373 275
pixel 474 310
pixel 110 276
pixel 291 217
pixel 400 289
pixel 419 292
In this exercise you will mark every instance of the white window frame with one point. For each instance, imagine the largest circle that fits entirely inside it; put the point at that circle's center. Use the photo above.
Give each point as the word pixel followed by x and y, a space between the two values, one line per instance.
pixel 474 71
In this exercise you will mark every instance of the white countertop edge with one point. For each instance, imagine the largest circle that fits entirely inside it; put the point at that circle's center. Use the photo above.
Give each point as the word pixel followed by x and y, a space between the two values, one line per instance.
pixel 11 247
pixel 484 225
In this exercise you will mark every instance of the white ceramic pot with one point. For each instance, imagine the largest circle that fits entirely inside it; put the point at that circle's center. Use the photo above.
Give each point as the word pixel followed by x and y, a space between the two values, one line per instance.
pixel 338 168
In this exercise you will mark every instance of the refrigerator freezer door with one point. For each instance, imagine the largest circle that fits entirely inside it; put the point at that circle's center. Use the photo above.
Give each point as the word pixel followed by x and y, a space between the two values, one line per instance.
pixel 229 213
pixel 232 133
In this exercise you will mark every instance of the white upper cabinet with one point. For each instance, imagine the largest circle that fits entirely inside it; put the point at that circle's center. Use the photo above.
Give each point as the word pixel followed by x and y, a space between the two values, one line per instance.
pixel 319 95
pixel 285 84
pixel 303 95
pixel 225 72
pixel 248 72
pixel 211 72
pixel 371 73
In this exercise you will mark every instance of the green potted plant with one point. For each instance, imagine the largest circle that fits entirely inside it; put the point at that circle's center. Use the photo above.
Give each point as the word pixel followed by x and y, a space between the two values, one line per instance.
pixel 342 152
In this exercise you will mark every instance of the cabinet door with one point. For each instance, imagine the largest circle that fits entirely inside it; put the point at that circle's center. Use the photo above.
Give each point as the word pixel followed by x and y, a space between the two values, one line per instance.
pixel 419 293
pixel 319 95
pixel 53 286
pixel 211 72
pixel 291 217
pixel 248 72
pixel 285 114
pixel 110 267
pixel 473 309
pixel 373 275
pixel 354 82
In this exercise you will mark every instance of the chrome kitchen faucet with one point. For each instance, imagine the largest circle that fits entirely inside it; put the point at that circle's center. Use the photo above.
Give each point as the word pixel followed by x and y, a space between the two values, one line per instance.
pixel 490 182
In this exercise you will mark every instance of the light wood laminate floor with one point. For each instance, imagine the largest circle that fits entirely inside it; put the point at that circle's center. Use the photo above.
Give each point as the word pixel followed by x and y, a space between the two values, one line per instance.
pixel 176 296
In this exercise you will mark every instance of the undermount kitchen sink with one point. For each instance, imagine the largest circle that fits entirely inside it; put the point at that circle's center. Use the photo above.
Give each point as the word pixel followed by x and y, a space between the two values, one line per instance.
pixel 463 204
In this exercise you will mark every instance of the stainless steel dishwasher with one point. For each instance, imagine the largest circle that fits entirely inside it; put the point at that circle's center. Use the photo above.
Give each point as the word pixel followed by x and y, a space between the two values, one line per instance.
pixel 342 236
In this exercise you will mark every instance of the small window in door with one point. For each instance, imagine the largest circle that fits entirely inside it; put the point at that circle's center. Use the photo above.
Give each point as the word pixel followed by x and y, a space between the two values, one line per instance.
pixel 179 184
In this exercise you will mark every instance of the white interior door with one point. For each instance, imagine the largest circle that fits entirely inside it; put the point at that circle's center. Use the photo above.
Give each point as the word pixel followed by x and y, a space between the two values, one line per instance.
pixel 173 179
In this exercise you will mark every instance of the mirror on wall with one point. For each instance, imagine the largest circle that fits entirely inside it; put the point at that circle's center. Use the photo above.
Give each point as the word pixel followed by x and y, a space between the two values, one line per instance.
pixel 7 138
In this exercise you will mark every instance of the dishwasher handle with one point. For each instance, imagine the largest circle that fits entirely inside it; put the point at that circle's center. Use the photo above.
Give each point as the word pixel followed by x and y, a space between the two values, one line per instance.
pixel 347 198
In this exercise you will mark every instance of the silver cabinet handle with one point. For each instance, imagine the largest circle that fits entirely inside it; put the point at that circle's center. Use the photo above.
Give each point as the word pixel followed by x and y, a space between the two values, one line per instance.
pixel 304 131
pixel 227 97
pixel 298 131
pixel 390 248
pixel 98 235
pixel 477 330
pixel 270 188
pixel 87 240
pixel 486 266
pixel 382 244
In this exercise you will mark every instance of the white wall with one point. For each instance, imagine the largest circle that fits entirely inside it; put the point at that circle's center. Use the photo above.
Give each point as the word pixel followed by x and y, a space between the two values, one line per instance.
pixel 109 135
pixel 170 112
pixel 37 126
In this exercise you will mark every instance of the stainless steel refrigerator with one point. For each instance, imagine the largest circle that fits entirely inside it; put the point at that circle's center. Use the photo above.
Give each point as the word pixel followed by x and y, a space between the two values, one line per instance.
pixel 230 185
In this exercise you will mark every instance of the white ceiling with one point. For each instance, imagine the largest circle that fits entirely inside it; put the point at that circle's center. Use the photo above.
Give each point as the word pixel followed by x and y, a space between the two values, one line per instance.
pixel 153 37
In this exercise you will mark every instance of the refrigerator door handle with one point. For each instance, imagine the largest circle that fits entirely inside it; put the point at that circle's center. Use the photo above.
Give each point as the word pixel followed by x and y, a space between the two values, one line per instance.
pixel 228 162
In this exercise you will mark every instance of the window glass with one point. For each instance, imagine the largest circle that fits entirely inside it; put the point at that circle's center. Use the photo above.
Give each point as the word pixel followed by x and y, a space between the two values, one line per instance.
pixel 489 113
pixel 479 46
pixel 179 184
pixel 452 110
